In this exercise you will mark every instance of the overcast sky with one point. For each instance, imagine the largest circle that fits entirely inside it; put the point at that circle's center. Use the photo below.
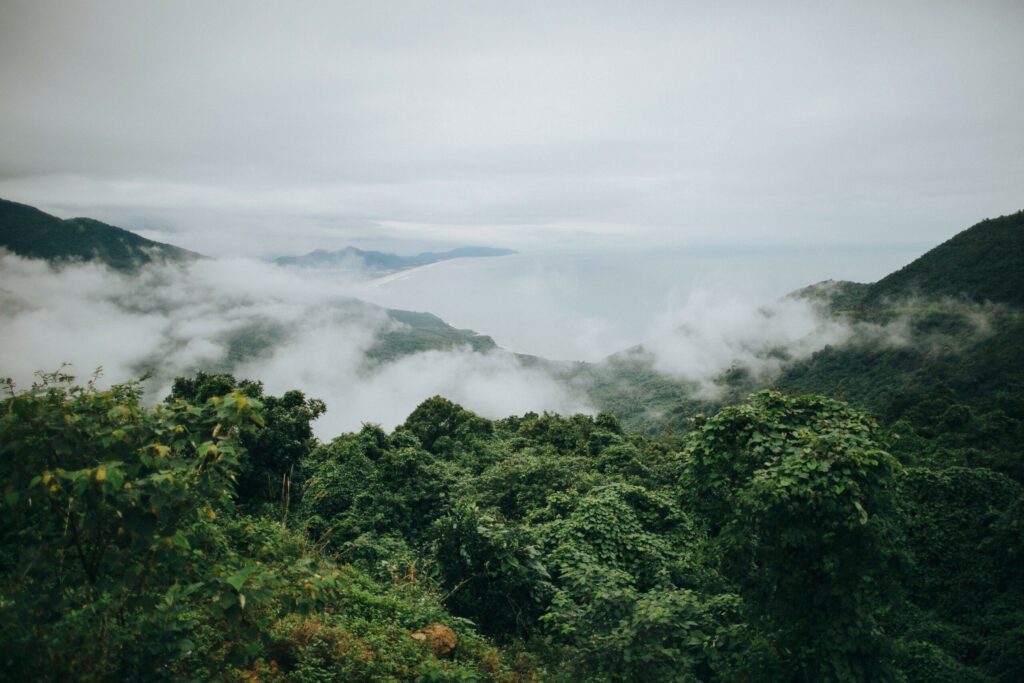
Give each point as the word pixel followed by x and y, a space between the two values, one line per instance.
pixel 260 128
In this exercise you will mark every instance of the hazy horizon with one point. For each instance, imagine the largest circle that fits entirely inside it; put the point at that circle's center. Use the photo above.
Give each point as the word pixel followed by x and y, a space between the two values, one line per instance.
pixel 243 129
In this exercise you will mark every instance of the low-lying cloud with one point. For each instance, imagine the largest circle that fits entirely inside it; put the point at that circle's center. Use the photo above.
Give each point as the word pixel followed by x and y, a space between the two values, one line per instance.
pixel 291 330
pixel 305 329
pixel 712 331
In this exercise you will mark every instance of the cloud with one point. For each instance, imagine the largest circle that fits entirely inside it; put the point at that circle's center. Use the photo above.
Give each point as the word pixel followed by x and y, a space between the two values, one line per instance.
pixel 534 124
pixel 713 330
pixel 292 330
pixel 311 330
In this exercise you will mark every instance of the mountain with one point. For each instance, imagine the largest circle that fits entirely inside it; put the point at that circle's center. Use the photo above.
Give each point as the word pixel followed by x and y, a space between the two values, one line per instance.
pixel 946 328
pixel 380 262
pixel 937 354
pixel 961 307
pixel 29 232
pixel 983 263
pixel 409 332
pixel 424 332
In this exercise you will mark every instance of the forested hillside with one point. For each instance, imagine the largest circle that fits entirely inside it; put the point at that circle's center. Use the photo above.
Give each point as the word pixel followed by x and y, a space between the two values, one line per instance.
pixel 941 336
pixel 951 386
pixel 982 263
pixel 29 232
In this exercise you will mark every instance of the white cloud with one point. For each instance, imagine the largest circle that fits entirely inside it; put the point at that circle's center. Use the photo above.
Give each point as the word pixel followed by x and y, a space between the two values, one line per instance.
pixel 525 124
pixel 174 320
pixel 714 330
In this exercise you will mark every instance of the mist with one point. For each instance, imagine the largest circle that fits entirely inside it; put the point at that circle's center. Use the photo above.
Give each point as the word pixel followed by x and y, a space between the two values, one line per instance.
pixel 289 329
pixel 714 330
pixel 315 330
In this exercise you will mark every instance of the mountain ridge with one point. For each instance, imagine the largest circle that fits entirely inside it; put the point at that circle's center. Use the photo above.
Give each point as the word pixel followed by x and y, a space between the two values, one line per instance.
pixel 982 263
pixel 32 233
pixel 383 262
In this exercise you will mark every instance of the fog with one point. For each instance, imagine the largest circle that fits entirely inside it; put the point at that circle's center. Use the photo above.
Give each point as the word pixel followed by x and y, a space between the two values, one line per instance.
pixel 316 330
pixel 712 331
pixel 669 173
pixel 587 305
pixel 174 320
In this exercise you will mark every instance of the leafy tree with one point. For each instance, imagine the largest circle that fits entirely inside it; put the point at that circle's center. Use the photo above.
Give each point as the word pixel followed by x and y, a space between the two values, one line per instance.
pixel 963 533
pixel 629 576
pixel 373 483
pixel 492 571
pixel 105 506
pixel 274 451
pixel 799 497
pixel 522 481
pixel 440 424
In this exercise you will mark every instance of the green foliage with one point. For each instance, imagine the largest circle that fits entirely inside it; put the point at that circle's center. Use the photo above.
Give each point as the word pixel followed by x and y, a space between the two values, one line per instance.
pixel 624 527
pixel 778 540
pixel 440 424
pixel 785 538
pixel 625 562
pixel 923 661
pixel 122 557
pixel 106 514
pixel 273 452
pixel 963 533
pixel 372 483
pixel 522 482
pixel 492 570
pixel 936 430
pixel 799 498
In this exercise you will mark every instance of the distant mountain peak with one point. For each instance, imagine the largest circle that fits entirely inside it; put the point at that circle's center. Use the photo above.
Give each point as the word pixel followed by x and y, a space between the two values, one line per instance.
pixel 382 263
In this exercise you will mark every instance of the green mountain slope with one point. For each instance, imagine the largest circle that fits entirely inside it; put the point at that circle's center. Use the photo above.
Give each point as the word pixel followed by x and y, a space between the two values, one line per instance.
pixel 424 332
pixel 409 332
pixel 29 232
pixel 949 324
pixel 961 306
pixel 949 383
pixel 982 263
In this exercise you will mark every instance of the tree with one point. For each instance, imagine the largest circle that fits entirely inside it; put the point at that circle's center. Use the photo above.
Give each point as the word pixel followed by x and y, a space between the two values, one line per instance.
pixel 799 498
pixel 275 450
pixel 103 502
pixel 111 561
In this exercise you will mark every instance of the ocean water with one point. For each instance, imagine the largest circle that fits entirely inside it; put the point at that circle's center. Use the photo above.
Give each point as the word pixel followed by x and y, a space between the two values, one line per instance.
pixel 584 306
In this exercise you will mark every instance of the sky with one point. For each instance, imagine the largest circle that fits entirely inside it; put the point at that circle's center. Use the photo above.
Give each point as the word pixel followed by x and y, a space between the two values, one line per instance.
pixel 258 128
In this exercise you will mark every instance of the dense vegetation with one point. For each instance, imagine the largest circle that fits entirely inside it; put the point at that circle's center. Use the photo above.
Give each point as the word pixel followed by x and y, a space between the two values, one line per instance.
pixel 29 232
pixel 212 537
pixel 950 386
